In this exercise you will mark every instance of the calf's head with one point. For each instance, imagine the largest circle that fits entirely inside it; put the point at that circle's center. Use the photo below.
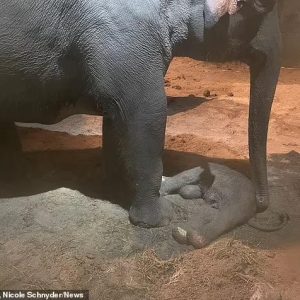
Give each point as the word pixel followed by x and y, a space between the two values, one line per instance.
pixel 230 25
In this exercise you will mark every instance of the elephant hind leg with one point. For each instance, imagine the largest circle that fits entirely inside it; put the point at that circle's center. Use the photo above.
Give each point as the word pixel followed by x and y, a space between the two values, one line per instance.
pixel 116 184
pixel 264 78
pixel 12 162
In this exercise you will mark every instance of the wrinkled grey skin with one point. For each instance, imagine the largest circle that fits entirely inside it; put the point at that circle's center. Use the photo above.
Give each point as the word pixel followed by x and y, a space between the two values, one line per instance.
pixel 217 199
pixel 59 58
pixel 228 195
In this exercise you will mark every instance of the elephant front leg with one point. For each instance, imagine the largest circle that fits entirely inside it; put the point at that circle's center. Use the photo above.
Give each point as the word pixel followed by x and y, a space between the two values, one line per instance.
pixel 133 142
pixel 264 62
pixel 145 146
pixel 113 166
pixel 265 67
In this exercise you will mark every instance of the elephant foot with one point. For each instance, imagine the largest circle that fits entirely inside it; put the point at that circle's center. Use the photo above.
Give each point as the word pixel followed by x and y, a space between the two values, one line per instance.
pixel 155 214
pixel 269 221
pixel 190 237
pixel 191 191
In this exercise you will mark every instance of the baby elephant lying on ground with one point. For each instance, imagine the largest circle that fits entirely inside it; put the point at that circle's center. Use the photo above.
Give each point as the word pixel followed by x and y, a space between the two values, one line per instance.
pixel 218 199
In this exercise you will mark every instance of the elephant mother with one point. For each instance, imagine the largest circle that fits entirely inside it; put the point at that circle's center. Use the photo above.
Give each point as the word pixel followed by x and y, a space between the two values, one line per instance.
pixel 61 57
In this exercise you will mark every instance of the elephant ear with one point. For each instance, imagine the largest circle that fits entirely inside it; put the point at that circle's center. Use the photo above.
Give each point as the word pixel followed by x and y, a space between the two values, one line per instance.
pixel 264 6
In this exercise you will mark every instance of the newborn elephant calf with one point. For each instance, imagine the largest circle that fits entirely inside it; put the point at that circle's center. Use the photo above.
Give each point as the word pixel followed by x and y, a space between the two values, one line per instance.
pixel 217 199
pixel 210 201
pixel 62 57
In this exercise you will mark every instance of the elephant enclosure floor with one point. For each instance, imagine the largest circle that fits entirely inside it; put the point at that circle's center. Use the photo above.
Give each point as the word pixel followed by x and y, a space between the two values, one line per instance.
pixel 208 112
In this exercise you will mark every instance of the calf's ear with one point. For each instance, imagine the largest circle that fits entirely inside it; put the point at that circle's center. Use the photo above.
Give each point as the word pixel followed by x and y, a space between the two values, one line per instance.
pixel 264 6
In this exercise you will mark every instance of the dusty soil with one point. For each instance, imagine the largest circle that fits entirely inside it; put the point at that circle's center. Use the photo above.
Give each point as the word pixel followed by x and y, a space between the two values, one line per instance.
pixel 208 107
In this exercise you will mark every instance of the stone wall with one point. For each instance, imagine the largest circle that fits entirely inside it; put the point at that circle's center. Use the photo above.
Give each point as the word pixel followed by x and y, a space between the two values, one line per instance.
pixel 290 28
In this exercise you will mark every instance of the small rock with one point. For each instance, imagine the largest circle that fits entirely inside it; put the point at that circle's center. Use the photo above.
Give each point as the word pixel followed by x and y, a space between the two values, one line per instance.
pixel 180 77
pixel 206 93
pixel 271 254
pixel 167 83
pixel 177 87
pixel 230 94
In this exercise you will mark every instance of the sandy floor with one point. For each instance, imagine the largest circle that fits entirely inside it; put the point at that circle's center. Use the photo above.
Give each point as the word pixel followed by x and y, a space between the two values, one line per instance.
pixel 218 129
pixel 208 110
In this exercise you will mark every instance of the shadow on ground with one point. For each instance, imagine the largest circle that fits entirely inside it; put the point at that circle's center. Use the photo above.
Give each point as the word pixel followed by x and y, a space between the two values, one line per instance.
pixel 182 104
pixel 81 170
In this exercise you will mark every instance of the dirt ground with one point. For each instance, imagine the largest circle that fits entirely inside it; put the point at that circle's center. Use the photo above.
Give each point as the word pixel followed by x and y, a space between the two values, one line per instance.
pixel 208 110
pixel 217 129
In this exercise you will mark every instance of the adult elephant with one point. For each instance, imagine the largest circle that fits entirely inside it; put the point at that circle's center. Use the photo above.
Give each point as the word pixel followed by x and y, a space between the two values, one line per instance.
pixel 59 58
